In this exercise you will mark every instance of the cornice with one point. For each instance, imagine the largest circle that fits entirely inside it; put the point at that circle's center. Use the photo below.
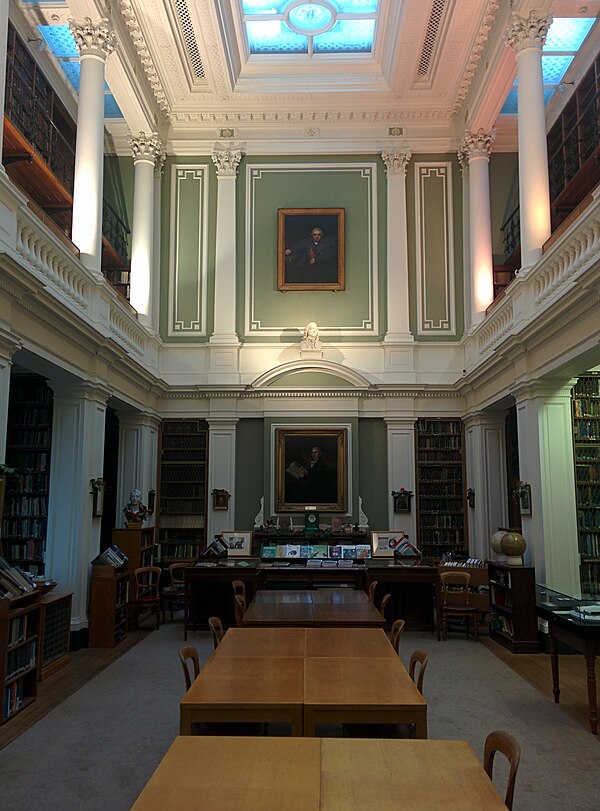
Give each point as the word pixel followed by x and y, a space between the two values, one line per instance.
pixel 373 393
pixel 476 53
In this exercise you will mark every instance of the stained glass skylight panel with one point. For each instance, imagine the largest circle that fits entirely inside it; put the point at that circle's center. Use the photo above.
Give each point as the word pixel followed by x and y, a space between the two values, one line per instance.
pixel 317 26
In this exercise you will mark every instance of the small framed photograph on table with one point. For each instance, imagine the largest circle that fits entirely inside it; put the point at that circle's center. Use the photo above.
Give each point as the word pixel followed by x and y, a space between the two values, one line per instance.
pixel 239 544
pixel 384 543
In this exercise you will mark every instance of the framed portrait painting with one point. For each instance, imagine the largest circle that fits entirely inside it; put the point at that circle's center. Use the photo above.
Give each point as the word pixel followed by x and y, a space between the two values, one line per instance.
pixel 310 249
pixel 311 469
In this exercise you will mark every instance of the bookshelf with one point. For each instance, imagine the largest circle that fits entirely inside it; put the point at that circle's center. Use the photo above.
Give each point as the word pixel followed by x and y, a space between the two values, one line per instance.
pixel 440 496
pixel 28 450
pixel 182 490
pixel 55 622
pixel 137 544
pixel 513 621
pixel 19 637
pixel 108 605
pixel 586 449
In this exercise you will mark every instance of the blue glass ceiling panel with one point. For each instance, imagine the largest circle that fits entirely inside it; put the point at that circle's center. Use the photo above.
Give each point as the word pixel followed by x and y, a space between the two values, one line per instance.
pixel 111 108
pixel 264 6
pixel 60 41
pixel 71 71
pixel 567 34
pixel 555 67
pixel 274 37
pixel 346 36
pixel 279 6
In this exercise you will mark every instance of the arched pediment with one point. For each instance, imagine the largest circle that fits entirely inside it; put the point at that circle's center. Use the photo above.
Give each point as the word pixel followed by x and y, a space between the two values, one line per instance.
pixel 311 374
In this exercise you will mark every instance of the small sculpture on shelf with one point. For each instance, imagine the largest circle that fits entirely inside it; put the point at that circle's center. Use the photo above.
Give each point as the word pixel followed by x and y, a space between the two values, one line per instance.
pixel 134 511
pixel 310 339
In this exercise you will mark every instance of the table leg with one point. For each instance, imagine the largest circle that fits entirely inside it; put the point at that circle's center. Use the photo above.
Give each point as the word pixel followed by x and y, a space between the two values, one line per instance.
pixel 420 727
pixel 185 721
pixel 590 661
pixel 554 663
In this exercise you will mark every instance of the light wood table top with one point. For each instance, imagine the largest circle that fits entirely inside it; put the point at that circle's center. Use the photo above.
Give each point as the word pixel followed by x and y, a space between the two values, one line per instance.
pixel 312 596
pixel 319 607
pixel 278 614
pixel 360 642
pixel 361 690
pixel 297 596
pixel 263 642
pixel 361 615
pixel 318 774
pixel 230 689
pixel 340 596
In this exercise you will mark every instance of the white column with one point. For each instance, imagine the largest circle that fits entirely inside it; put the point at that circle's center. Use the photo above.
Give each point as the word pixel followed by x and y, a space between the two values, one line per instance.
pixel 485 446
pixel 401 472
pixel 476 147
pixel 156 247
pixel 138 460
pixel 527 37
pixel 221 474
pixel 145 150
pixel 4 4
pixel 546 464
pixel 73 538
pixel 95 42
pixel 466 236
pixel 8 347
pixel 398 312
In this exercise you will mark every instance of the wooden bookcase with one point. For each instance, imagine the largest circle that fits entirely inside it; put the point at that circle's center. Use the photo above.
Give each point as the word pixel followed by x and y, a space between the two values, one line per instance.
pixel 19 644
pixel 182 490
pixel 108 606
pixel 586 448
pixel 28 450
pixel 513 621
pixel 55 622
pixel 440 497
pixel 137 543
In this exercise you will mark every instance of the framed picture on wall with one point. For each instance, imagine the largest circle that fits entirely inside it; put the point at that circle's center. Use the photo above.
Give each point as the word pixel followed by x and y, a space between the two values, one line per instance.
pixel 238 543
pixel 310 249
pixel 311 469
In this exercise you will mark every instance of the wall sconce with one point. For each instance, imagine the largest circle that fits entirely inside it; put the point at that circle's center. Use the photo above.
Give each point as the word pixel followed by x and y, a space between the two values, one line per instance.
pixel 471 497
pixel 220 499
pixel 151 501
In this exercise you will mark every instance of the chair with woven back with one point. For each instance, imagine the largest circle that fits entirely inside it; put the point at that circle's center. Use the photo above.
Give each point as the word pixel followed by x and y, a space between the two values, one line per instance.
pixel 418 657
pixel 188 656
pixel 239 587
pixel 240 609
pixel 372 589
pixel 145 596
pixel 506 744
pixel 174 591
pixel 454 603
pixel 384 602
pixel 216 628
pixel 396 634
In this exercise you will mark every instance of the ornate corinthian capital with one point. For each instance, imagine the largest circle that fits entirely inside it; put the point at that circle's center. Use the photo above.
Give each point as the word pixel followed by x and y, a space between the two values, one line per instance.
pixel 475 144
pixel 395 161
pixel 146 147
pixel 97 39
pixel 528 33
pixel 226 161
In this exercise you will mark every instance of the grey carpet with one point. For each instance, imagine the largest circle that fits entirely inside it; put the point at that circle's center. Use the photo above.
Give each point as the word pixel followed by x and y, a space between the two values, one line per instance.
pixel 96 751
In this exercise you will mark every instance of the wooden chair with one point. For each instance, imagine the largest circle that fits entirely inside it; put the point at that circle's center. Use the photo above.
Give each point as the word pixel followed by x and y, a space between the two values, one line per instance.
pixel 455 603
pixel 384 602
pixel 216 627
pixel 146 592
pixel 418 657
pixel 240 609
pixel 239 587
pixel 175 591
pixel 503 742
pixel 396 634
pixel 372 590
pixel 188 655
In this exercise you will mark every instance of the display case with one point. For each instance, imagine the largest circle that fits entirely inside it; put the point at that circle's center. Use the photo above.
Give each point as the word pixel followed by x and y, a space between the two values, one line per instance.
pixel 585 609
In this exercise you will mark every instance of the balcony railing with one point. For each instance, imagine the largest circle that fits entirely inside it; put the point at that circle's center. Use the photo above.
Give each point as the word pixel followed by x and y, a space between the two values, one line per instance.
pixel 511 230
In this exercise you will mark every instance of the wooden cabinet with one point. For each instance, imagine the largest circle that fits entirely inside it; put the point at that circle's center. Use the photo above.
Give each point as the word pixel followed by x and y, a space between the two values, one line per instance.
pixel 19 645
pixel 28 450
pixel 137 544
pixel 108 606
pixel 440 497
pixel 586 446
pixel 55 624
pixel 182 490
pixel 513 621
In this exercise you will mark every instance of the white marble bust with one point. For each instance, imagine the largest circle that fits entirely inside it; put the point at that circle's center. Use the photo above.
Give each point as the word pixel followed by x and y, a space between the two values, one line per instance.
pixel 310 339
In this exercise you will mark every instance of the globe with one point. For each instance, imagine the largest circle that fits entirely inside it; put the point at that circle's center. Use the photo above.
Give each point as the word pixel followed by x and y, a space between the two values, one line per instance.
pixel 496 540
pixel 513 545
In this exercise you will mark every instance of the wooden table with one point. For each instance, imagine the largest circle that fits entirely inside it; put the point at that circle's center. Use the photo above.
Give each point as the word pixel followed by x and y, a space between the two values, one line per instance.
pixel 251 689
pixel 355 690
pixel 320 607
pixel 291 642
pixel 318 774
pixel 348 642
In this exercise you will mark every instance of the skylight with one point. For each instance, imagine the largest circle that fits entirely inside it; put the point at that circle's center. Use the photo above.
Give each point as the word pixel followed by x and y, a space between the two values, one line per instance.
pixel 314 27
pixel 59 40
pixel 565 37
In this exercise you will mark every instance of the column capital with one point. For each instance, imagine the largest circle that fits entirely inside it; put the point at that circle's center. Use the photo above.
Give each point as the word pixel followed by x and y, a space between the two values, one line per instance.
pixel 475 144
pixel 528 32
pixel 226 161
pixel 146 147
pixel 396 161
pixel 93 38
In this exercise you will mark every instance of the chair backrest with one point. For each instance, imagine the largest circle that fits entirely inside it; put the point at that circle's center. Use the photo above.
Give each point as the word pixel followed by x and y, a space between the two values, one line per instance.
pixel 510 747
pixel 189 654
pixel 146 581
pixel 454 587
pixel 384 602
pixel 372 590
pixel 176 574
pixel 240 609
pixel 216 627
pixel 420 657
pixel 396 634
pixel 239 587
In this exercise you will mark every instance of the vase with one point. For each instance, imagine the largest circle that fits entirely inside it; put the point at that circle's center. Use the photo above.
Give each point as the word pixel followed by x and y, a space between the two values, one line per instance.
pixel 513 545
pixel 495 542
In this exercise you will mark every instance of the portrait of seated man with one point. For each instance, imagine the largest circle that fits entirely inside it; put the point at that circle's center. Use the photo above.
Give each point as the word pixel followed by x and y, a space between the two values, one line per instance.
pixel 311 250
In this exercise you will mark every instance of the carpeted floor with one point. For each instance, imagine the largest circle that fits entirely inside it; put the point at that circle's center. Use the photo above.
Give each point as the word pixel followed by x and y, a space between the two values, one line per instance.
pixel 96 751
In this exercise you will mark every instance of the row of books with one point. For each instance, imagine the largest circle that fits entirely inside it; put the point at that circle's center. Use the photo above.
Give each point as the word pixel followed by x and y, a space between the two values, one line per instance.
pixel 21 659
pixel 13 698
pixel 24 527
pixel 317 551
pixel 112 556
pixel 13 582
pixel 26 505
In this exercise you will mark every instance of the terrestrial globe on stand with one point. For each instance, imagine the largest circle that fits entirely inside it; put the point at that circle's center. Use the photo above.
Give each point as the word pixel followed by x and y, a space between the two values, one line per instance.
pixel 495 542
pixel 513 545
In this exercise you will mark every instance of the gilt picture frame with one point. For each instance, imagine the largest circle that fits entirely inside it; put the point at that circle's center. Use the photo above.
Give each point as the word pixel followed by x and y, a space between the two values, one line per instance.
pixel 239 543
pixel 310 249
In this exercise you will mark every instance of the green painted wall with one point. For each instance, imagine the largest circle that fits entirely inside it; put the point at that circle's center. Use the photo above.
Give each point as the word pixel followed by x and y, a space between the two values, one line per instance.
pixel 249 471
pixel 372 458
pixel 504 194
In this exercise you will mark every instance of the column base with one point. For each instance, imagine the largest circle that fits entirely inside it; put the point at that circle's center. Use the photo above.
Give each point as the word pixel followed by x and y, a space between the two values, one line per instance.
pixel 399 338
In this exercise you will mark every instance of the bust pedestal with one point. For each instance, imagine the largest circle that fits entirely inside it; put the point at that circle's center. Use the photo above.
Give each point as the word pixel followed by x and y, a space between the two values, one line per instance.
pixel 312 354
